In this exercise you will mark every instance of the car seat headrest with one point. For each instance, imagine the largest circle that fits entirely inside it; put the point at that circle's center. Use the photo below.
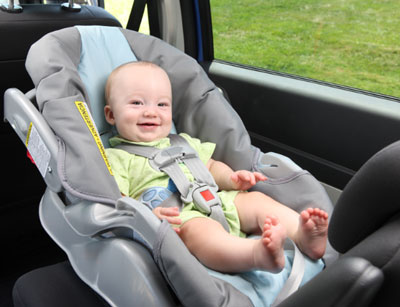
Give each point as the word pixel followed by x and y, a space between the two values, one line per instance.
pixel 102 50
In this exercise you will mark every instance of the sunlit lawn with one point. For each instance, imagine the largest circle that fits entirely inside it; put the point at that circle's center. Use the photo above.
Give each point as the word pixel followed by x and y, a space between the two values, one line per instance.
pixel 351 42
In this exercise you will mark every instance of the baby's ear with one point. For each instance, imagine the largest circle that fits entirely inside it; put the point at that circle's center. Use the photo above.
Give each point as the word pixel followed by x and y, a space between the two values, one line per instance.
pixel 109 115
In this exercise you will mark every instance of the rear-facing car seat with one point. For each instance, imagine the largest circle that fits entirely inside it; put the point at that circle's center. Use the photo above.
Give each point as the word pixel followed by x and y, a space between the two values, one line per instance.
pixel 77 210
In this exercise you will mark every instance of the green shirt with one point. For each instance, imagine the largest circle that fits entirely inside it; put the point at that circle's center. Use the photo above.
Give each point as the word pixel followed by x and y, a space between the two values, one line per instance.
pixel 134 174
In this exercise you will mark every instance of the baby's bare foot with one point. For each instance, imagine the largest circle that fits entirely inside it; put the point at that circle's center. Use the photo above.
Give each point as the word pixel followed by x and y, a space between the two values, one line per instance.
pixel 313 232
pixel 268 251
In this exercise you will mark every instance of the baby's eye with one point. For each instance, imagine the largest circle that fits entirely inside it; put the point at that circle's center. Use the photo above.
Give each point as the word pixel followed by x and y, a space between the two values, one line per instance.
pixel 136 102
pixel 163 104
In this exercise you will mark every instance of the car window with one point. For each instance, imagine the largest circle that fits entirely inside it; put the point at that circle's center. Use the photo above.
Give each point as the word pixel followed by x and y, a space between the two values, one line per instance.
pixel 353 43
pixel 122 9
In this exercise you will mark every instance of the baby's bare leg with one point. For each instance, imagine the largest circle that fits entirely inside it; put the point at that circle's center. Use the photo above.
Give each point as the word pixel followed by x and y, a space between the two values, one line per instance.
pixel 308 230
pixel 220 251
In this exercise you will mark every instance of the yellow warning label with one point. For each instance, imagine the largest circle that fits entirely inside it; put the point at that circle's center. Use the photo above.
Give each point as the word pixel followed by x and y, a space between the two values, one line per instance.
pixel 93 130
pixel 28 134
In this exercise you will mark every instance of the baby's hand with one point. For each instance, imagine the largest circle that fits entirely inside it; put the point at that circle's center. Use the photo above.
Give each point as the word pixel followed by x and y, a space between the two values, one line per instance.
pixel 244 180
pixel 169 214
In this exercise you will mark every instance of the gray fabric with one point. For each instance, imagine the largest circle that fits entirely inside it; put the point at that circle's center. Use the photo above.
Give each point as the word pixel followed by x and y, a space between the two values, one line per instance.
pixel 52 64
pixel 188 278
pixel 97 260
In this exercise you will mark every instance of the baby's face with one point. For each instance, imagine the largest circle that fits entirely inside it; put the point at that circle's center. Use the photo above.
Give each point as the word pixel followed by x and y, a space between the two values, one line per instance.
pixel 141 104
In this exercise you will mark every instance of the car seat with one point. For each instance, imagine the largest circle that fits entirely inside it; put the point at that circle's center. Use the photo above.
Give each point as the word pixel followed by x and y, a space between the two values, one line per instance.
pixel 82 209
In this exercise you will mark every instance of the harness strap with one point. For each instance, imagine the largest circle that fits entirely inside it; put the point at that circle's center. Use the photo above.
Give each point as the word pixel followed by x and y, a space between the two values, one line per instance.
pixel 179 178
pixel 202 192
pixel 196 167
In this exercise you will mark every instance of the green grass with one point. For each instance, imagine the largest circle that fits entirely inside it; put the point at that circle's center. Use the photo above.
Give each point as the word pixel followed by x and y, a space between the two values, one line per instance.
pixel 349 42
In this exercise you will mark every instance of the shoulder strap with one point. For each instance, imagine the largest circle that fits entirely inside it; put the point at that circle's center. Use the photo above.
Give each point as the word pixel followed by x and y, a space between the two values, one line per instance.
pixel 202 192
pixel 163 160
pixel 144 151
pixel 194 164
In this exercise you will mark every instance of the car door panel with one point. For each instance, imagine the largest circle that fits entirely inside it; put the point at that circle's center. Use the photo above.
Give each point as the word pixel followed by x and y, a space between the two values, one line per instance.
pixel 327 129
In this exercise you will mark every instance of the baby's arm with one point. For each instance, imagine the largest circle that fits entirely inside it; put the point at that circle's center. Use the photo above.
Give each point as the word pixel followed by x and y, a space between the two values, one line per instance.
pixel 227 179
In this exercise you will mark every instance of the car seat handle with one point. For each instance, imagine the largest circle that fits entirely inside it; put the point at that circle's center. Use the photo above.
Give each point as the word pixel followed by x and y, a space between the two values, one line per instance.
pixel 70 6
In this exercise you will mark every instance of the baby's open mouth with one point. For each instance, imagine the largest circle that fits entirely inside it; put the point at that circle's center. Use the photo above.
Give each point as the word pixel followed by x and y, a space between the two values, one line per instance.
pixel 148 124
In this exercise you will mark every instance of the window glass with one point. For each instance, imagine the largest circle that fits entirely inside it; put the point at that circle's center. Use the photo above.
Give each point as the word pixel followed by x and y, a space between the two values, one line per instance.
pixel 122 9
pixel 349 42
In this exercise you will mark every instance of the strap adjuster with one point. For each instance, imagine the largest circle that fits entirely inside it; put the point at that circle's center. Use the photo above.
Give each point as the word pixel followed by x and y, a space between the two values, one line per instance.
pixel 171 155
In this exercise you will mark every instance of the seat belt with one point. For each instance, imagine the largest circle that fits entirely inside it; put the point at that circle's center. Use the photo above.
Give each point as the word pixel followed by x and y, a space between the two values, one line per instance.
pixel 202 191
pixel 295 277
pixel 136 16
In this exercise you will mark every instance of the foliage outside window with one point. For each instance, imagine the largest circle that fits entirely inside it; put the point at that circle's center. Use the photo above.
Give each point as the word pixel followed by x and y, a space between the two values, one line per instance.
pixel 348 42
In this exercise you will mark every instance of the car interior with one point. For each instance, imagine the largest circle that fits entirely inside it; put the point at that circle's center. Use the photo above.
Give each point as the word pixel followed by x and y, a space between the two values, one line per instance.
pixel 346 138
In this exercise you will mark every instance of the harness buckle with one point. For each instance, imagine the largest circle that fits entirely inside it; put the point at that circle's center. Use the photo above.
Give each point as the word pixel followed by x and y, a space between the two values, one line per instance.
pixel 203 196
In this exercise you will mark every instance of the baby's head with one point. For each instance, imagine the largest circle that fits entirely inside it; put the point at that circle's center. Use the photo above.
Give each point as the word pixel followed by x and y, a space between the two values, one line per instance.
pixel 139 101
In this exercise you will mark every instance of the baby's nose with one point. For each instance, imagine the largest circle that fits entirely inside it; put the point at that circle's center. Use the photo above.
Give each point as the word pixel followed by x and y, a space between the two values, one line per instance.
pixel 150 111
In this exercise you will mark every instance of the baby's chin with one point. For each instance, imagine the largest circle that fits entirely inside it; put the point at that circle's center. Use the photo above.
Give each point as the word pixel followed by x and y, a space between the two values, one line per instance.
pixel 146 138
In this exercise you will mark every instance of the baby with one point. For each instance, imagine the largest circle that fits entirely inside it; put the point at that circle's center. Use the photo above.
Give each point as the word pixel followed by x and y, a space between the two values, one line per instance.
pixel 139 104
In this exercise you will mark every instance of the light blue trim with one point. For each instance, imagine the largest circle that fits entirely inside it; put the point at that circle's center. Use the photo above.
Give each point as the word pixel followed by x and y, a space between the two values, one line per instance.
pixel 262 287
pixel 108 46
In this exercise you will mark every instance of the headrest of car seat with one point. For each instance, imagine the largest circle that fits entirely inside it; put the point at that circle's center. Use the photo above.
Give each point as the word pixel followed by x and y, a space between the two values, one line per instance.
pixel 105 45
pixel 199 108
pixel 369 200
pixel 99 46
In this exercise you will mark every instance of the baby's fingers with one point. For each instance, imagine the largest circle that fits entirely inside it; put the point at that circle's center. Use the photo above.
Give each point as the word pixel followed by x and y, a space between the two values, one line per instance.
pixel 246 176
pixel 172 211
pixel 259 176
pixel 174 220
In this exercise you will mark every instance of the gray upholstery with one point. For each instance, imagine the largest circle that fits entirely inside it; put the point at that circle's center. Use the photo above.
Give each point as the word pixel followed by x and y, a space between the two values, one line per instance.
pixel 366 220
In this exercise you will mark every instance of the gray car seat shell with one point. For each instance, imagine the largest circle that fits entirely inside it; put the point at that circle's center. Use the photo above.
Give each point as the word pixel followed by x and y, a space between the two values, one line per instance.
pixel 94 208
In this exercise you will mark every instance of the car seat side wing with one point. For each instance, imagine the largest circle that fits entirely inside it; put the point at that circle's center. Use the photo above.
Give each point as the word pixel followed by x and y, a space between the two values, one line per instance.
pixel 63 101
